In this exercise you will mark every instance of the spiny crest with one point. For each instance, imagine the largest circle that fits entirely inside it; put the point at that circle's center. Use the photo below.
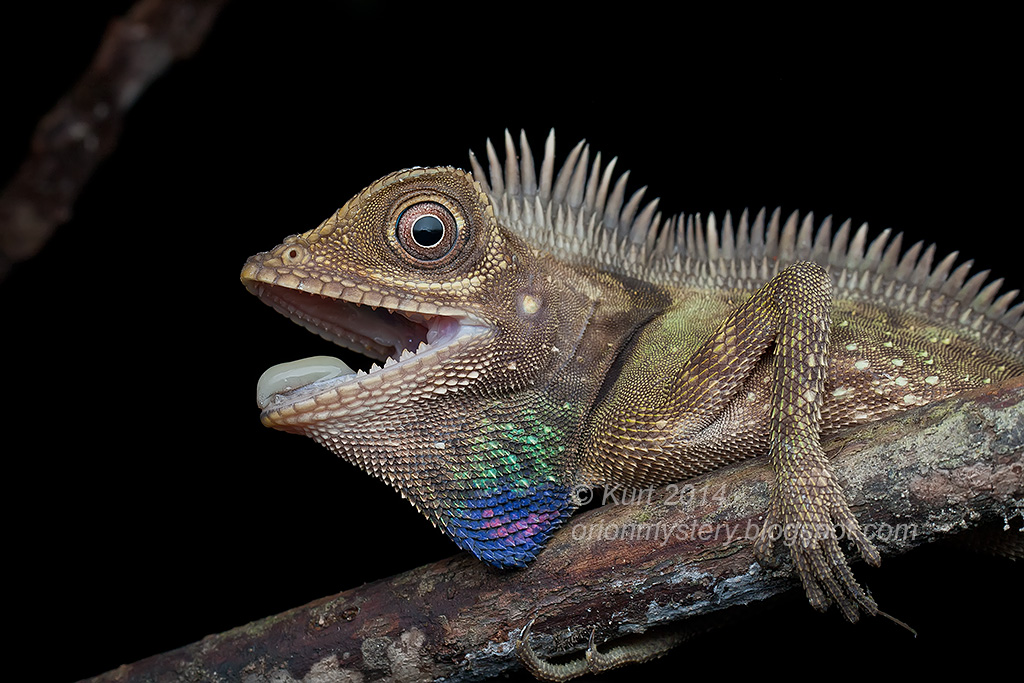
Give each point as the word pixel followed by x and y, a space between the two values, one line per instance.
pixel 581 214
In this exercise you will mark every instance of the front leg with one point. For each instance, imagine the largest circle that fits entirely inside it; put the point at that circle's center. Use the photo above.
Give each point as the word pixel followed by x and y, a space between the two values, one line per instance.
pixel 712 382
pixel 807 503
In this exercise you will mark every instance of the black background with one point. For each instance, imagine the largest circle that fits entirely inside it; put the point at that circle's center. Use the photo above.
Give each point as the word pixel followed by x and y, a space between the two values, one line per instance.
pixel 147 506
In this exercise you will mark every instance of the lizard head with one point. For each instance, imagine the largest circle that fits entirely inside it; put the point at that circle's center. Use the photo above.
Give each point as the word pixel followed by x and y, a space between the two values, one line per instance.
pixel 470 330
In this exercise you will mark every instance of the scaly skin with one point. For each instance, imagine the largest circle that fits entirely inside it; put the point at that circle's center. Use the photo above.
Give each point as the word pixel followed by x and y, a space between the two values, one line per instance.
pixel 497 414
pixel 579 342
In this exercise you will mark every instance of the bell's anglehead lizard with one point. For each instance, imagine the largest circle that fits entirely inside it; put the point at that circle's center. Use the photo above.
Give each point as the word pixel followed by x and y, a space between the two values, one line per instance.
pixel 536 332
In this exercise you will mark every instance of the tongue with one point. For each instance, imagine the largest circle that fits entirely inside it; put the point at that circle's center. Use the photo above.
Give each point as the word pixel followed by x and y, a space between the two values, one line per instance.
pixel 298 373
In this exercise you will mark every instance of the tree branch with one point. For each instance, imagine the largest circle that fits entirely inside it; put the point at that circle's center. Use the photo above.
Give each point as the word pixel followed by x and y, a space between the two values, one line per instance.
pixel 637 564
pixel 84 126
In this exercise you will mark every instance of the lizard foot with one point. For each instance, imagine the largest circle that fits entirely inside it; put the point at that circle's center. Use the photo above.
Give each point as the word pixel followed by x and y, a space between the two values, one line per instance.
pixel 807 509
pixel 594 661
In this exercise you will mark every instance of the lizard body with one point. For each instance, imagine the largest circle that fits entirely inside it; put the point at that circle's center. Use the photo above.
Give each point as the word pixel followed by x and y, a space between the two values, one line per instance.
pixel 542 332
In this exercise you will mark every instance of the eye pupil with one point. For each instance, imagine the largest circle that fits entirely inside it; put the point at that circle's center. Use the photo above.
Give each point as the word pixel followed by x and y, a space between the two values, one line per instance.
pixel 428 230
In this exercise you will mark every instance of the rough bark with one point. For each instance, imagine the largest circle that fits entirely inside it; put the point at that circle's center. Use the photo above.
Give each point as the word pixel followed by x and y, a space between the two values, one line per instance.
pixel 84 126
pixel 632 564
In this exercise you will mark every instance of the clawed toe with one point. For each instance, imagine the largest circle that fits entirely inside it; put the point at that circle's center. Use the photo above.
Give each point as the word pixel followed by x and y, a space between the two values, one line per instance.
pixel 594 661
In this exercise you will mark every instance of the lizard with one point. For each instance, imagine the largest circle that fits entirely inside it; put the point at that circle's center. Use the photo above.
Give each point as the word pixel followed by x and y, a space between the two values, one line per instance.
pixel 535 333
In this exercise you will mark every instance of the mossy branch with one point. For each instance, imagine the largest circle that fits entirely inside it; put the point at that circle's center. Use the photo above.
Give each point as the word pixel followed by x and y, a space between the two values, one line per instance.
pixel 921 476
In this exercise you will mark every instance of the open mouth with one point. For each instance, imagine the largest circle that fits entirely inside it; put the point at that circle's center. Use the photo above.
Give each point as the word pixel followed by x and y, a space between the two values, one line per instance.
pixel 395 338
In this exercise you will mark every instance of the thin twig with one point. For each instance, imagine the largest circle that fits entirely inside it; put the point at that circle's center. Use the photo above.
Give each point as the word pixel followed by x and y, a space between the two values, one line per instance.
pixel 84 126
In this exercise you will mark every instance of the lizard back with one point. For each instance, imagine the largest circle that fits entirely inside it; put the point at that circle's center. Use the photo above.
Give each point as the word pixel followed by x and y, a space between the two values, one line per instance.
pixel 581 214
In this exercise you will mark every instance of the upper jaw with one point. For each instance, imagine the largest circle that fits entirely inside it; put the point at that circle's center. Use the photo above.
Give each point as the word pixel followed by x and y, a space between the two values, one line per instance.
pixel 410 337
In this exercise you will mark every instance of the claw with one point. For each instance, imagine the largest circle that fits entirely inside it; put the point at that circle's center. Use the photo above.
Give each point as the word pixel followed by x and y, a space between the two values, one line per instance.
pixel 817 556
pixel 592 655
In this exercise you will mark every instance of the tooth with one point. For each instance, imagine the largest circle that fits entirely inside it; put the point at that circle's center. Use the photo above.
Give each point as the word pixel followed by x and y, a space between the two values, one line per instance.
pixel 406 353
pixel 286 377
pixel 422 346
pixel 389 361
pixel 374 368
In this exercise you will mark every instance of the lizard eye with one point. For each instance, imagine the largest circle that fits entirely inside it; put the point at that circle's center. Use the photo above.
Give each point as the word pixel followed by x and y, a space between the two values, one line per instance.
pixel 426 231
